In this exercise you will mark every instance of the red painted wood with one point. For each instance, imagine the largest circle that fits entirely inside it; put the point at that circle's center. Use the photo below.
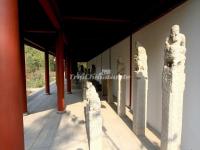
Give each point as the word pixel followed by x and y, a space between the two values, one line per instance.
pixel 11 118
pixel 50 13
pixel 46 58
pixel 60 72
pixel 23 83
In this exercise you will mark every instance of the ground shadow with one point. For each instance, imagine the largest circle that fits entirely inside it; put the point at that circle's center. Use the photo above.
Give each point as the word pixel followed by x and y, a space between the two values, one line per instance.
pixel 39 101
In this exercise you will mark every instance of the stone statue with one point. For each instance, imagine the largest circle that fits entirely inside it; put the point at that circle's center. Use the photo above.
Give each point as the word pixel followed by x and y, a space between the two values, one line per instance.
pixel 173 85
pixel 140 90
pixel 175 48
pixel 174 55
pixel 93 117
pixel 140 61
pixel 92 96
pixel 120 66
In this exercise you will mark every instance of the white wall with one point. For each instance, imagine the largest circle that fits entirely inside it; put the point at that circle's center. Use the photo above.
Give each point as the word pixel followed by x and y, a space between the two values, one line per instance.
pixel 105 60
pixel 122 49
pixel 153 37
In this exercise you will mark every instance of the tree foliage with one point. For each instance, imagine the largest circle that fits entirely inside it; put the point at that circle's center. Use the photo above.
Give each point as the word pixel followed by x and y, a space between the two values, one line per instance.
pixel 35 67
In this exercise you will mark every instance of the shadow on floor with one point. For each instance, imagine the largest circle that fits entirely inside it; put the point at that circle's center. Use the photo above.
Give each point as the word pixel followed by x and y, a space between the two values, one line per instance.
pixel 144 140
pixel 39 101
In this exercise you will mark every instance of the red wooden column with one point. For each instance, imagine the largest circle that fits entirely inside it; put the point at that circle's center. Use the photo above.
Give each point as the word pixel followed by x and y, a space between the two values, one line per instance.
pixel 23 77
pixel 68 73
pixel 60 73
pixel 11 118
pixel 46 58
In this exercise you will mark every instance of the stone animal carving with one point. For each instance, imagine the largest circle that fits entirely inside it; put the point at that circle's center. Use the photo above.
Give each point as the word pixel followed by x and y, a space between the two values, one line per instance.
pixel 140 61
pixel 92 97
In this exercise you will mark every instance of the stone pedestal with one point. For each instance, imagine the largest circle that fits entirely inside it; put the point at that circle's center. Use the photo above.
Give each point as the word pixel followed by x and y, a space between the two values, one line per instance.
pixel 140 105
pixel 109 91
pixel 172 107
pixel 121 95
pixel 95 130
pixel 93 117
pixel 84 89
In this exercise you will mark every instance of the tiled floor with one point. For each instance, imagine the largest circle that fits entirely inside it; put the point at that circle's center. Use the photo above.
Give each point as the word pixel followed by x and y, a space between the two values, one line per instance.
pixel 47 130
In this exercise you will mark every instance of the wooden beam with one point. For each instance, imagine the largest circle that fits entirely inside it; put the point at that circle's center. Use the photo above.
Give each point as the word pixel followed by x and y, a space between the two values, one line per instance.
pixel 94 19
pixel 40 31
pixel 49 9
pixel 50 13
pixel 34 45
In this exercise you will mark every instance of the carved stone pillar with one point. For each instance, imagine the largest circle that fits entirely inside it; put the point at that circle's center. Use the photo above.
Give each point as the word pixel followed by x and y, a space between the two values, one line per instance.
pixel 109 91
pixel 121 95
pixel 141 88
pixel 93 117
pixel 173 85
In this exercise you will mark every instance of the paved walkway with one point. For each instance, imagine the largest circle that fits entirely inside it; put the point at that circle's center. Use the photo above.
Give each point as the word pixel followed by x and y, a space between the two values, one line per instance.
pixel 47 130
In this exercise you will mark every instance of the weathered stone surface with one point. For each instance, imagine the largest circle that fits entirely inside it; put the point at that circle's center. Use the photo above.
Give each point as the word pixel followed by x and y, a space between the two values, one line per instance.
pixel 121 88
pixel 93 117
pixel 141 85
pixel 109 91
pixel 173 85
pixel 84 89
pixel 92 97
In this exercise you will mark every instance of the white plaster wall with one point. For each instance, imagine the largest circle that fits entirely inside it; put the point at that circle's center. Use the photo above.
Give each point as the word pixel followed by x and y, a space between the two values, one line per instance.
pixel 153 37
pixel 122 49
pixel 105 60
pixel 92 62
pixel 98 63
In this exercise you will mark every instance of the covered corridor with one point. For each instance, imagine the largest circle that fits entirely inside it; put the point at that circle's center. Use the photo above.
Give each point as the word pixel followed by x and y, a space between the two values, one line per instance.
pixel 105 38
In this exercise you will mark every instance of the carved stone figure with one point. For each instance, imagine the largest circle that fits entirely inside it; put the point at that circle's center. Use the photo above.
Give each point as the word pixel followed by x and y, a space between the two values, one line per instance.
pixel 92 97
pixel 140 90
pixel 140 60
pixel 93 117
pixel 175 48
pixel 173 85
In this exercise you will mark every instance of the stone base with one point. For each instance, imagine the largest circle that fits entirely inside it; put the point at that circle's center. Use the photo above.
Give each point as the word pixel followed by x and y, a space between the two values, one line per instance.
pixel 109 91
pixel 172 108
pixel 26 114
pixel 61 112
pixel 94 128
pixel 121 96
pixel 140 106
